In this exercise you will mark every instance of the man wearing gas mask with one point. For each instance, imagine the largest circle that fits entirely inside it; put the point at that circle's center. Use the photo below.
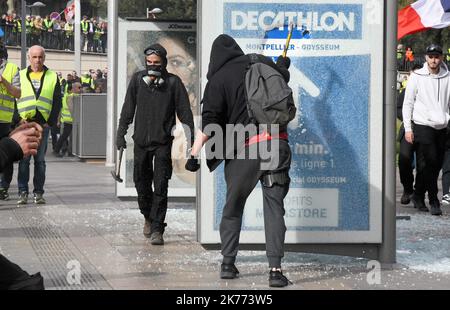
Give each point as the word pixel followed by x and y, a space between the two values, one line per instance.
pixel 154 97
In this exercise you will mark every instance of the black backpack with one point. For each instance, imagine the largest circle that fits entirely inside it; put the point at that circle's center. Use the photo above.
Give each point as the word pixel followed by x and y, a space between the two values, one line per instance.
pixel 269 98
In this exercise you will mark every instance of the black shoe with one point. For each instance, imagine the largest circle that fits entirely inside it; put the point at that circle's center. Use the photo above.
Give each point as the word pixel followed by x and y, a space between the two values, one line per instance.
pixel 34 282
pixel 277 279
pixel 4 195
pixel 419 203
pixel 228 271
pixel 156 238
pixel 435 208
pixel 406 198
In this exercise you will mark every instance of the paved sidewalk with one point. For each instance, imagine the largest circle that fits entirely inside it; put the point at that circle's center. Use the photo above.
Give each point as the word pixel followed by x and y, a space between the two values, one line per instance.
pixel 83 224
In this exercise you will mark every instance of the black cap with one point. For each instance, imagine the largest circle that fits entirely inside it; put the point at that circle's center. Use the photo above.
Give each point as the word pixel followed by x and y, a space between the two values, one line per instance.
pixel 434 49
pixel 158 50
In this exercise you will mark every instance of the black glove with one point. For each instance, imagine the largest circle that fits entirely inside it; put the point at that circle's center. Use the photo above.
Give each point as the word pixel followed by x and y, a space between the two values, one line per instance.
pixel 192 164
pixel 121 143
pixel 283 62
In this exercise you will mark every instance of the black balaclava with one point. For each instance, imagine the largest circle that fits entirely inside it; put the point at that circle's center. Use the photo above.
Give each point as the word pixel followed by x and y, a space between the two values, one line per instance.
pixel 159 50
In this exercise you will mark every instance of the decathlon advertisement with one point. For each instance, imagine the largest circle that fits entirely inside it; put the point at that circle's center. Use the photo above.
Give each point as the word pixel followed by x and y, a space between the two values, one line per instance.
pixel 336 138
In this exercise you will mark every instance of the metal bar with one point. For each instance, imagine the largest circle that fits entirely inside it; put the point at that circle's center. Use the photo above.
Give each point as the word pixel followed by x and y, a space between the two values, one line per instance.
pixel 113 13
pixel 23 37
pixel 387 252
pixel 77 37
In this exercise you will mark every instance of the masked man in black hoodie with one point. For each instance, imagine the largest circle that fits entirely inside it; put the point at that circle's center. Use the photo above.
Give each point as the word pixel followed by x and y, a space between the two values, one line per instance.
pixel 224 103
pixel 153 98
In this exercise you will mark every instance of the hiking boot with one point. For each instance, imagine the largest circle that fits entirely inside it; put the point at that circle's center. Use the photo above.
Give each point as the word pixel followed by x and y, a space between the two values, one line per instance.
pixel 146 231
pixel 446 200
pixel 419 203
pixel 4 194
pixel 228 271
pixel 156 238
pixel 32 283
pixel 277 279
pixel 39 199
pixel 435 208
pixel 406 198
pixel 23 198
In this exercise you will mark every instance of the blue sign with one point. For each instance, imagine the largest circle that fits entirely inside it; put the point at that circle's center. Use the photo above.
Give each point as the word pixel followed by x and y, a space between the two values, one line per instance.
pixel 326 21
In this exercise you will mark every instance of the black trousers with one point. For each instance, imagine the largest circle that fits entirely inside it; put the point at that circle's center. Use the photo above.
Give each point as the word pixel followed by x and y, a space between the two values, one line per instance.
pixel 63 139
pixel 54 131
pixel 9 273
pixel 242 176
pixel 406 164
pixel 153 166
pixel 430 149
pixel 446 165
pixel 7 173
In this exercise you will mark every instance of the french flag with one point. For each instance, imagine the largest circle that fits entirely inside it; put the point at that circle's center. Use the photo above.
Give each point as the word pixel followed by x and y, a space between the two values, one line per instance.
pixel 422 15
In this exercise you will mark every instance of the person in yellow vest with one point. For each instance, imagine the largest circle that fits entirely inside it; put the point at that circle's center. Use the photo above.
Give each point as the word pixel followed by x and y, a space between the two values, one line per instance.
pixel 9 90
pixel 68 42
pixel 40 102
pixel 84 32
pixel 87 82
pixel 29 28
pixel 48 31
pixel 66 118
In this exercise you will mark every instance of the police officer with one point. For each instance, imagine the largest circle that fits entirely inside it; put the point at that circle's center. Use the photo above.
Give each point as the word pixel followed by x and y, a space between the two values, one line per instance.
pixel 153 98
pixel 9 90
pixel 40 102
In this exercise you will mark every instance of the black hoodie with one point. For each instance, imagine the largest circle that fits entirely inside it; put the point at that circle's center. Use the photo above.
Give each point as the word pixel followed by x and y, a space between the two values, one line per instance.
pixel 153 108
pixel 224 97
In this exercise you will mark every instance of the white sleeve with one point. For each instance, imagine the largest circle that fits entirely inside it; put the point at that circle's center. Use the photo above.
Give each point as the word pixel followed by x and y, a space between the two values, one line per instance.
pixel 408 103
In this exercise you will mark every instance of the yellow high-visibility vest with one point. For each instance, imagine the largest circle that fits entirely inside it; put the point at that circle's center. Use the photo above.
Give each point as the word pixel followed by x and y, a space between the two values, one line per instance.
pixel 66 116
pixel 84 26
pixel 28 103
pixel 87 81
pixel 6 99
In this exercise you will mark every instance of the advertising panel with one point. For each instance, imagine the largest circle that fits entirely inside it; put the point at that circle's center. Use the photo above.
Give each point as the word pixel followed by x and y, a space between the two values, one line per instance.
pixel 179 39
pixel 336 138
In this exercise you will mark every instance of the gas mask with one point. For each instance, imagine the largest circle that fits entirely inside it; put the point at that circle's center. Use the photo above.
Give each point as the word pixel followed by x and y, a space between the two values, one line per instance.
pixel 156 71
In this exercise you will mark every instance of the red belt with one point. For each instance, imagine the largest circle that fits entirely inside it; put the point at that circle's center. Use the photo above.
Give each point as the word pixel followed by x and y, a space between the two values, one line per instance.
pixel 265 137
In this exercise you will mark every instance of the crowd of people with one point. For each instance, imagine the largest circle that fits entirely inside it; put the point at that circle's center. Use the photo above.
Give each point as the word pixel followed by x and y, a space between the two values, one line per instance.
pixel 423 107
pixel 55 33
pixel 92 81
pixel 407 58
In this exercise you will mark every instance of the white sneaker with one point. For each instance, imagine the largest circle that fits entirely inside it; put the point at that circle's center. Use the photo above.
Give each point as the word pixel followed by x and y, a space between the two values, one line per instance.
pixel 446 200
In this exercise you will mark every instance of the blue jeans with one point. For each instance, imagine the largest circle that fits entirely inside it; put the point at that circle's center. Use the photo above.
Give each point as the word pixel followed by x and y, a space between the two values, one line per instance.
pixel 39 168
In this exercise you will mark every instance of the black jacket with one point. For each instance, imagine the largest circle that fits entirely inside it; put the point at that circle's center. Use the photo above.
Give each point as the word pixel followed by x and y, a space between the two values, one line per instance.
pixel 224 98
pixel 10 151
pixel 153 110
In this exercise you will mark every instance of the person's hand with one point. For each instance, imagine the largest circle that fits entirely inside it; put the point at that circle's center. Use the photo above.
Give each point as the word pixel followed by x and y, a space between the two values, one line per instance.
pixel 28 136
pixel 409 137
pixel 192 164
pixel 284 62
pixel 121 142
